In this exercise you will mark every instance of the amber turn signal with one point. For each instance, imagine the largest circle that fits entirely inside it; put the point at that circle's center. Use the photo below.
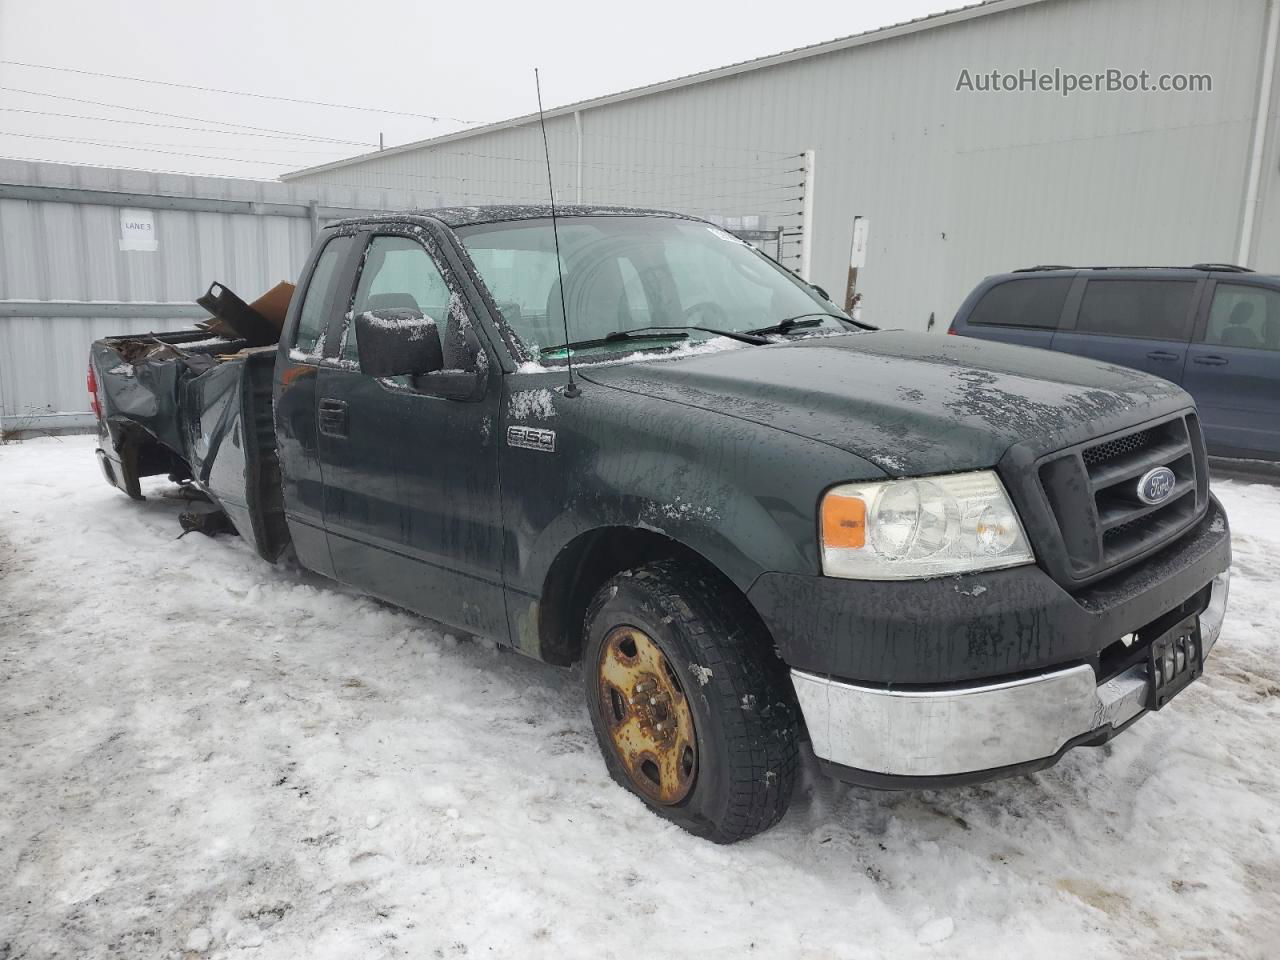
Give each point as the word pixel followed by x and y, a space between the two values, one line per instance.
pixel 844 521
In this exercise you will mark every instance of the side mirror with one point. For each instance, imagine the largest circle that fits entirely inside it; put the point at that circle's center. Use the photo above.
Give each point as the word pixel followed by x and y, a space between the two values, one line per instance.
pixel 822 293
pixel 397 342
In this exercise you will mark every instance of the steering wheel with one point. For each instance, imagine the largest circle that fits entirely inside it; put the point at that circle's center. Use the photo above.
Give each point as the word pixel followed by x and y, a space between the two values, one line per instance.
pixel 706 313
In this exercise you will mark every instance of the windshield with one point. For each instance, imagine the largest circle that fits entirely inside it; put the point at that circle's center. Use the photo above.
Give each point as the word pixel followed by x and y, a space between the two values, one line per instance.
pixel 634 273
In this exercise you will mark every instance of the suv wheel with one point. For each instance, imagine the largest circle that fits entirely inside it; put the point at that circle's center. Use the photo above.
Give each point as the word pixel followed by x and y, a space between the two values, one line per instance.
pixel 694 712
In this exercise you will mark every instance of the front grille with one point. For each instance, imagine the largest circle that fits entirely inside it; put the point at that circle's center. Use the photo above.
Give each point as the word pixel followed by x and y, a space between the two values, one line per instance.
pixel 1120 532
pixel 1092 490
pixel 1112 449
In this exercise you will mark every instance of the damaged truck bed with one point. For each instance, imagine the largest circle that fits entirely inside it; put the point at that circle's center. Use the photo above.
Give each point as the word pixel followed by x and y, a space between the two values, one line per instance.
pixel 196 405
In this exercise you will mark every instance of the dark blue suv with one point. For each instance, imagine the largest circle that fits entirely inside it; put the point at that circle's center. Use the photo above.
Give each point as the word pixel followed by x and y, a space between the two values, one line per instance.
pixel 1212 328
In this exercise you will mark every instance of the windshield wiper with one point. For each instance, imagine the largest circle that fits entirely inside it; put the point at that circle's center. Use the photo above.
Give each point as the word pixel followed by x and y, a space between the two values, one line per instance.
pixel 744 337
pixel 614 337
pixel 654 333
pixel 794 323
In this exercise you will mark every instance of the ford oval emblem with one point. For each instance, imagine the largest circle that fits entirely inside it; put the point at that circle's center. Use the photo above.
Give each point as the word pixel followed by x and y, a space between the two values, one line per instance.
pixel 1156 485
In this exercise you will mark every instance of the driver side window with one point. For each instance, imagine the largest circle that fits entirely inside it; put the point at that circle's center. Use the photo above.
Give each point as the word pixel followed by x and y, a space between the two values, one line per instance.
pixel 397 273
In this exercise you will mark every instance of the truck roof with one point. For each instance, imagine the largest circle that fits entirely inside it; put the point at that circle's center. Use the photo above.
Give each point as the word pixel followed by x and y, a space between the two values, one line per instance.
pixel 465 216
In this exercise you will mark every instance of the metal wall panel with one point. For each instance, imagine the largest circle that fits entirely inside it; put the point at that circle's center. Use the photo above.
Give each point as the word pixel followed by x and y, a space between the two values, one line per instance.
pixel 506 166
pixel 956 185
pixel 55 250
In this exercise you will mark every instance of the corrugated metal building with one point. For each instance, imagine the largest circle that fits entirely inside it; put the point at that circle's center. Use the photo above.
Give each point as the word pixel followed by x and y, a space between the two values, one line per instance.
pixel 78 262
pixel 955 184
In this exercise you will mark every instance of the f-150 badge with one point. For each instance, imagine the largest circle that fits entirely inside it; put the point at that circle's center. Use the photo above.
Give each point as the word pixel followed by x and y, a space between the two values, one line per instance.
pixel 532 438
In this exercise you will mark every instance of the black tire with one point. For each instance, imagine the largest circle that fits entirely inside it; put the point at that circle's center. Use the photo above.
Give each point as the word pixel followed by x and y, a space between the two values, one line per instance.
pixel 744 710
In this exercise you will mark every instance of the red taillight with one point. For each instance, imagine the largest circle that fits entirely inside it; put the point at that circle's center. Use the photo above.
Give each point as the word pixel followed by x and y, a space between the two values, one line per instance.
pixel 951 331
pixel 91 381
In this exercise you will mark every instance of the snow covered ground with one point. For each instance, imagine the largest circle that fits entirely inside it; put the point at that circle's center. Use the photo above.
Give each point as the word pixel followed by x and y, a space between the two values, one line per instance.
pixel 201 754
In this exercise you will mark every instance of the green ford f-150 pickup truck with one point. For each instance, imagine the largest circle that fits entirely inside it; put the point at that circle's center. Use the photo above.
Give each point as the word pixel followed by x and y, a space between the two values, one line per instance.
pixel 751 520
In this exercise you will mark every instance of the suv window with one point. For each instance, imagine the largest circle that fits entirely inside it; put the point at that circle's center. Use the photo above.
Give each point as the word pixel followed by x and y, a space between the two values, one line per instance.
pixel 1150 309
pixel 397 272
pixel 1244 316
pixel 317 302
pixel 1029 302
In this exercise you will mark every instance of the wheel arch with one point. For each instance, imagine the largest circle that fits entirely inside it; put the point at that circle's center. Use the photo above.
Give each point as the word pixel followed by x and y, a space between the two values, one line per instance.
pixel 588 561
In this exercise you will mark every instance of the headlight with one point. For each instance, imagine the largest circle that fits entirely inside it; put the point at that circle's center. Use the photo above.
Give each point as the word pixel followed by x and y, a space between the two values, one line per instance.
pixel 931 527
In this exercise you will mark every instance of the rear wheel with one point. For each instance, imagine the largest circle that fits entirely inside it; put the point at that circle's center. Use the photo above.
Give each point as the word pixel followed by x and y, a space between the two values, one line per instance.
pixel 694 712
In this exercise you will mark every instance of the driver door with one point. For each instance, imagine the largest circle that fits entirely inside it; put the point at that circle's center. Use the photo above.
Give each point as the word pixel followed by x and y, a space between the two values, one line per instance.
pixel 411 496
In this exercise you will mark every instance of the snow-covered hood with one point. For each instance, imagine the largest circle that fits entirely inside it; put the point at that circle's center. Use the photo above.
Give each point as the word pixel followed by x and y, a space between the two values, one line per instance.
pixel 910 403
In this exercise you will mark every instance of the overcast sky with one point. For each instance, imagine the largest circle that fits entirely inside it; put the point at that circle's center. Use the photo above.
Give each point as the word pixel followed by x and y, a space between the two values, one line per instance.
pixel 459 61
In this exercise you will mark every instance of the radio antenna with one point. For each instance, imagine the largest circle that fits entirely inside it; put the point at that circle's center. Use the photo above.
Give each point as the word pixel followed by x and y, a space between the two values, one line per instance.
pixel 571 388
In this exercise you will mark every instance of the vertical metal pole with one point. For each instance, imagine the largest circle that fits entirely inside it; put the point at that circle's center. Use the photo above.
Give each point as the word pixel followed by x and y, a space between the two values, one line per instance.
pixel 851 289
pixel 806 219
pixel 857 260
pixel 3 415
pixel 1251 195
pixel 314 208
pixel 779 241
pixel 577 126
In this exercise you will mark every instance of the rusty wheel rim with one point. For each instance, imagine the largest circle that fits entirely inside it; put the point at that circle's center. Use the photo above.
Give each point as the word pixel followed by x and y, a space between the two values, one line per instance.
pixel 647 716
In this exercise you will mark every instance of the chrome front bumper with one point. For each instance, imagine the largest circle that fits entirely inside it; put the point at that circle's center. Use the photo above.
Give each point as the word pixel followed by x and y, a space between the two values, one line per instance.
pixel 937 733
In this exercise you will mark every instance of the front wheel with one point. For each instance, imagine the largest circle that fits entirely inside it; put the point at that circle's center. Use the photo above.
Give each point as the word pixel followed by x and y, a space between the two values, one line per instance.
pixel 694 712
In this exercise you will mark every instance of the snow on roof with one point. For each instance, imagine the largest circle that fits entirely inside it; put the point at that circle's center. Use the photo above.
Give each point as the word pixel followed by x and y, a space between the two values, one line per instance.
pixel 494 213
pixel 931 21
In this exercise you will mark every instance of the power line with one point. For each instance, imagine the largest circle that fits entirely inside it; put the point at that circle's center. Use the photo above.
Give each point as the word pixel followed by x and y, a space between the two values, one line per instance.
pixel 174 126
pixel 651 171
pixel 115 166
pixel 182 116
pixel 158 143
pixel 172 153
pixel 240 93
pixel 368 109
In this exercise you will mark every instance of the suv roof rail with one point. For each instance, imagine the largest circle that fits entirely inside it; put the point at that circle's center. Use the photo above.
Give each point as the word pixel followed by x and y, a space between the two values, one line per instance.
pixel 1221 267
pixel 1218 267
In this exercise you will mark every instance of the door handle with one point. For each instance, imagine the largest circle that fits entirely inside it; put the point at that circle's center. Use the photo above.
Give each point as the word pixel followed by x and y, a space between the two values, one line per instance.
pixel 1212 361
pixel 333 417
pixel 1162 355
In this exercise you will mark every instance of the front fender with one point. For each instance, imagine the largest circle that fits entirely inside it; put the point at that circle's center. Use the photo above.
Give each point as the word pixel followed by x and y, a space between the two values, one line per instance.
pixel 741 495
pixel 677 498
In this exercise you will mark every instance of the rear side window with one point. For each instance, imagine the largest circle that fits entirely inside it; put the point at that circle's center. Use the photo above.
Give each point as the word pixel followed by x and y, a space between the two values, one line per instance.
pixel 1150 309
pixel 1030 302
pixel 1244 316
pixel 317 302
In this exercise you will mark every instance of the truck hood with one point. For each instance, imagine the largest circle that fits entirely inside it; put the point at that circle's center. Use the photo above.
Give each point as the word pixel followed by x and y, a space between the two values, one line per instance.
pixel 909 403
